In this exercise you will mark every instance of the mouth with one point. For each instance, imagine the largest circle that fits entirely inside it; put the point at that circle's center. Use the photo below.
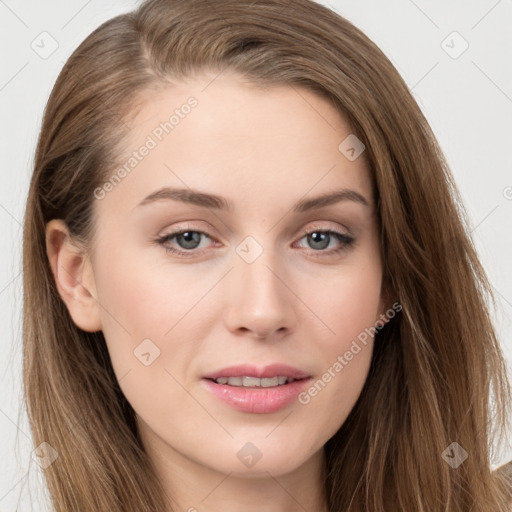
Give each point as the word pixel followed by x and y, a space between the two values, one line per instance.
pixel 252 376
pixel 249 389
pixel 255 382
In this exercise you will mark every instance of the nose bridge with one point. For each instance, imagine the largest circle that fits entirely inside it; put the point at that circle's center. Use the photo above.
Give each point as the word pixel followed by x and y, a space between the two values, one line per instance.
pixel 259 300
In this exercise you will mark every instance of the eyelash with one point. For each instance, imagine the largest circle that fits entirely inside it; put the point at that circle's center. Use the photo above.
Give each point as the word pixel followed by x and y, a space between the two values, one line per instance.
pixel 346 242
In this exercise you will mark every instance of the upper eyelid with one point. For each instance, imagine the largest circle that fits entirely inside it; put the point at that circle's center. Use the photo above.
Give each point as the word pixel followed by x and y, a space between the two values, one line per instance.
pixel 205 232
pixel 321 227
pixel 308 231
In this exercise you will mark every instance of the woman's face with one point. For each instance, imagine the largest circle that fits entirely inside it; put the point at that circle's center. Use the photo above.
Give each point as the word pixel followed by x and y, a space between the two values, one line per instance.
pixel 249 286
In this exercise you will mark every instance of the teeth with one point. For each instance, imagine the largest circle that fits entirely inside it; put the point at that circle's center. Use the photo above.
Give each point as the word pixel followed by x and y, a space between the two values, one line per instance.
pixel 254 382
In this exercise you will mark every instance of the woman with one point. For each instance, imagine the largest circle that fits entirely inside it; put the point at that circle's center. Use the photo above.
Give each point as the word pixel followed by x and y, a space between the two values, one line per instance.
pixel 240 195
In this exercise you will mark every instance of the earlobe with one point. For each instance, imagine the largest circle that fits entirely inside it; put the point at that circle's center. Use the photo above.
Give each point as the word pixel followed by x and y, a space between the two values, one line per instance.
pixel 73 275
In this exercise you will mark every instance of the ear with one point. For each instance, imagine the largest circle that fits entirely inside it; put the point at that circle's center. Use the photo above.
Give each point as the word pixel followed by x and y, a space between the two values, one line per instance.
pixel 73 274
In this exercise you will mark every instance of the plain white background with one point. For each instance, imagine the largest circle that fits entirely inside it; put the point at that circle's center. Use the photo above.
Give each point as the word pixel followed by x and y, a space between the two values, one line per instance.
pixel 465 93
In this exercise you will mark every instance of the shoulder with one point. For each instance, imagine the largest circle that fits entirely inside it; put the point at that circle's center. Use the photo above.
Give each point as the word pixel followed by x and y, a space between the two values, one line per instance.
pixel 506 470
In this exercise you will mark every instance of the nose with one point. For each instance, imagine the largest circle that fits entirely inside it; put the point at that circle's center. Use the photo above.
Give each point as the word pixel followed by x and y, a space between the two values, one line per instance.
pixel 258 301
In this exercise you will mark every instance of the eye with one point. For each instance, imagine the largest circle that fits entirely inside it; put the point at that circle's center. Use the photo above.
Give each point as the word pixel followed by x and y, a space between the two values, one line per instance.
pixel 188 240
pixel 319 240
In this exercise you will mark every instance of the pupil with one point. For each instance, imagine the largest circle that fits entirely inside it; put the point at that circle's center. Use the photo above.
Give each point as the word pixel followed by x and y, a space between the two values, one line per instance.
pixel 321 238
pixel 192 239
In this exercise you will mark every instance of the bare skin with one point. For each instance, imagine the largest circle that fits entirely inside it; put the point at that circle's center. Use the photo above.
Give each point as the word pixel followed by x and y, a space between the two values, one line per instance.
pixel 299 302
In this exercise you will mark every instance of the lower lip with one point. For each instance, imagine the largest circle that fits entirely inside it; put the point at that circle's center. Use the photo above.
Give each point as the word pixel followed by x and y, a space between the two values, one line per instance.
pixel 257 400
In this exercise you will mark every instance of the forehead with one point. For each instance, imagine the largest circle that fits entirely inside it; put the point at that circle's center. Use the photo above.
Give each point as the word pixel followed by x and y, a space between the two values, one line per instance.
pixel 224 135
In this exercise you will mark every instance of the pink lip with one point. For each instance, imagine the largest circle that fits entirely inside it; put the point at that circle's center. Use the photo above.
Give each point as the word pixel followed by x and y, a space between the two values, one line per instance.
pixel 257 400
pixel 247 370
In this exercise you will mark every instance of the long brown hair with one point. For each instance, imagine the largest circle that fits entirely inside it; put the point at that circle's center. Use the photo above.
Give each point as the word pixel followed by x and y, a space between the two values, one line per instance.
pixel 437 376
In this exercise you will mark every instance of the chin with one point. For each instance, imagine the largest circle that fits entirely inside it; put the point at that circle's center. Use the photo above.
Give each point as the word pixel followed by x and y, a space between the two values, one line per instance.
pixel 259 458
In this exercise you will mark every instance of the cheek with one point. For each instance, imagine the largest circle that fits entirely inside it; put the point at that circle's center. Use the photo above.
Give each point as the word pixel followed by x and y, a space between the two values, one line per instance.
pixel 330 398
pixel 349 302
pixel 148 308
pixel 144 318
pixel 147 298
pixel 349 310
pixel 346 358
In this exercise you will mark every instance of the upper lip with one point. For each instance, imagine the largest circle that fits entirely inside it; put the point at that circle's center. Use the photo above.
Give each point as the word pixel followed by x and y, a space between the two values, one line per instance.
pixel 248 370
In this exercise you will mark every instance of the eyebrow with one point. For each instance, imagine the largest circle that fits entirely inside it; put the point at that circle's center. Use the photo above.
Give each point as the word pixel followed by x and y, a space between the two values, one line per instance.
pixel 221 203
